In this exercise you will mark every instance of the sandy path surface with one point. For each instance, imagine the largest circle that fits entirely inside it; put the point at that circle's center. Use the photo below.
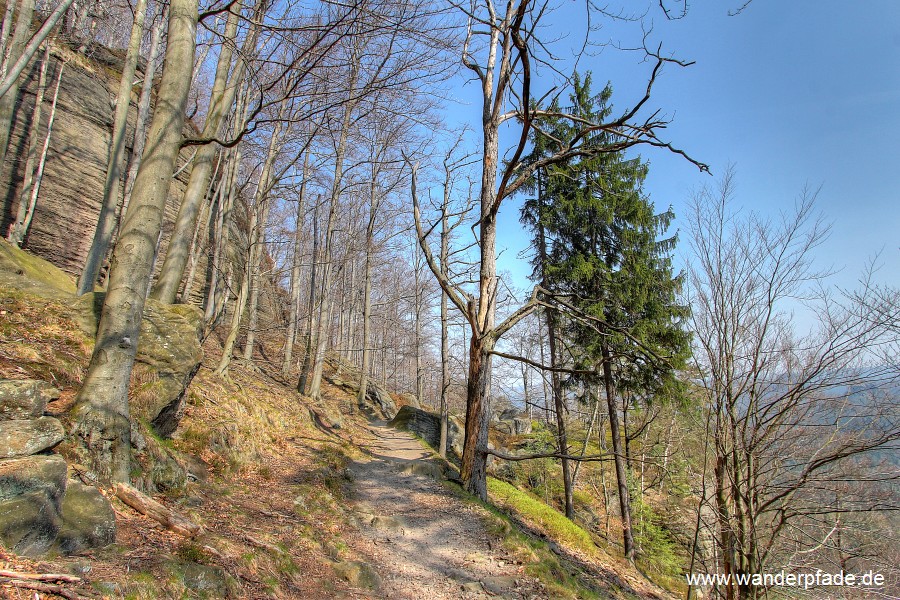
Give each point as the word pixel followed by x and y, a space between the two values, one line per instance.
pixel 423 541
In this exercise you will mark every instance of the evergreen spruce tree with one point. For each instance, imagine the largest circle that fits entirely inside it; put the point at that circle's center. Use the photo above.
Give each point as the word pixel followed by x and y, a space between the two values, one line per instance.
pixel 598 250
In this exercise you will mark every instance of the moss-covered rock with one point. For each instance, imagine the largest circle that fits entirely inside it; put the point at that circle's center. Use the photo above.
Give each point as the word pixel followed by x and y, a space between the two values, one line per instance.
pixel 24 271
pixel 25 399
pixel 31 492
pixel 168 348
pixel 23 437
pixel 44 474
pixel 359 574
pixel 88 520
pixel 204 581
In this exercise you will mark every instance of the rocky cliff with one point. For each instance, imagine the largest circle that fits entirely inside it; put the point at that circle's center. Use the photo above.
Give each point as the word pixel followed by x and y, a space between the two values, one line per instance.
pixel 70 195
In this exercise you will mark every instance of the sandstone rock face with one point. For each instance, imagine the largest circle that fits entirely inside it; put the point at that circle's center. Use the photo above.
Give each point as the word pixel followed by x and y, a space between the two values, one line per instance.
pixel 31 492
pixel 428 426
pixel 88 520
pixel 25 399
pixel 23 437
pixel 72 188
pixel 169 346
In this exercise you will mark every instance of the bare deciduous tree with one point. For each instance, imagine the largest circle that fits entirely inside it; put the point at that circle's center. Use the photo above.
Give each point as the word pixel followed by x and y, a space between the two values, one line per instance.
pixel 501 47
pixel 797 420
pixel 101 412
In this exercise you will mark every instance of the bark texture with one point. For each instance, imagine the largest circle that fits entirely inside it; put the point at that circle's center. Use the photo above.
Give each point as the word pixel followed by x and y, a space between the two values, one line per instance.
pixel 101 413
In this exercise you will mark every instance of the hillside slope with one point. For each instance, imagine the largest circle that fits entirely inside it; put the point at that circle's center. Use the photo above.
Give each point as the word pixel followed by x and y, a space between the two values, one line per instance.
pixel 295 499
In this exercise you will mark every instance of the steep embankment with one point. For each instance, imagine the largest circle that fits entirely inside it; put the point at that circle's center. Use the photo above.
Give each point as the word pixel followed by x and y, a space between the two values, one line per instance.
pixel 294 499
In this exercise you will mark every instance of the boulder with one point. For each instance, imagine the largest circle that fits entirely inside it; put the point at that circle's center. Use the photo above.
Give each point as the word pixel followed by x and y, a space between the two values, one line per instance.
pixel 427 425
pixel 168 349
pixel 508 414
pixel 31 493
pixel 500 585
pixel 204 580
pixel 378 401
pixel 410 400
pixel 521 426
pixel 516 426
pixel 359 574
pixel 88 520
pixel 43 473
pixel 25 399
pixel 23 437
pixel 381 400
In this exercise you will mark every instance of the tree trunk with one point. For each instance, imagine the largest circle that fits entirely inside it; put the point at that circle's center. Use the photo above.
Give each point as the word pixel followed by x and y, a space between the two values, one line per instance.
pixel 220 238
pixel 256 254
pixel 208 215
pixel 351 314
pixel 555 382
pixel 13 68
pixel 478 411
pixel 445 337
pixel 223 224
pixel 17 229
pixel 8 16
pixel 560 409
pixel 220 102
pixel 294 317
pixel 587 438
pixel 101 414
pixel 240 302
pixel 418 265
pixel 249 286
pixel 143 113
pixel 327 298
pixel 311 343
pixel 374 199
pixel 42 161
pixel 22 30
pixel 107 218
pixel 621 467
pixel 258 237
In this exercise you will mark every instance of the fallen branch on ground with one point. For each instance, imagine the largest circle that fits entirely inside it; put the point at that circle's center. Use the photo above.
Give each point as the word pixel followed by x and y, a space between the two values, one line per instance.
pixel 146 505
pixel 40 576
pixel 38 586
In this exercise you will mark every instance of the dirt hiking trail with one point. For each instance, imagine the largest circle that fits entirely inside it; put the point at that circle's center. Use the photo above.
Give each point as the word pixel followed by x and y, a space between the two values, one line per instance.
pixel 424 541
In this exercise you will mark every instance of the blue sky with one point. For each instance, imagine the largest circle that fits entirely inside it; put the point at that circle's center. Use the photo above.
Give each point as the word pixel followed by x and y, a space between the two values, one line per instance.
pixel 793 93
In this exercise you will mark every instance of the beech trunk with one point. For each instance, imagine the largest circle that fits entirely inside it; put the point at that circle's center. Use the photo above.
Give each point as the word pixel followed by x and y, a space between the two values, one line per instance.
pixel 101 412
pixel 106 220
